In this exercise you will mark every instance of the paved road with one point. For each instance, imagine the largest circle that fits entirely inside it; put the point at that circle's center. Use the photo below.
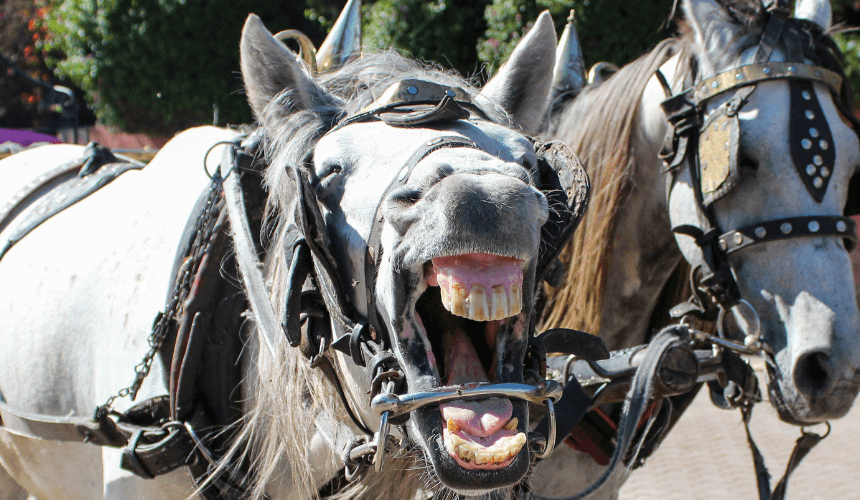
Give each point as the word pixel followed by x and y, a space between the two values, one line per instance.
pixel 706 457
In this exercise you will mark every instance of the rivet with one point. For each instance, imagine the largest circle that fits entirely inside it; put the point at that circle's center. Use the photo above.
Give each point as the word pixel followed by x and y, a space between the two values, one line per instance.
pixel 841 226
pixel 791 69
pixel 817 73
pixel 813 226
pixel 825 172
pixel 818 182
pixel 412 89
pixel 818 160
pixel 785 227
pixel 813 132
pixel 723 245
pixel 450 93
pixel 434 141
pixel 766 70
pixel 810 170
pixel 806 143
pixel 760 232
pixel 403 172
pixel 715 84
pixel 704 165
pixel 806 95
pixel 726 146
pixel 739 238
pixel 716 127
pixel 704 89
pixel 739 76
pixel 809 114
pixel 823 144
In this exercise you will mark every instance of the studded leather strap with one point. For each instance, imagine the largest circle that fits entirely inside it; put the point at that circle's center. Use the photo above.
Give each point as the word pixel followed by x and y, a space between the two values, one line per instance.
pixel 791 227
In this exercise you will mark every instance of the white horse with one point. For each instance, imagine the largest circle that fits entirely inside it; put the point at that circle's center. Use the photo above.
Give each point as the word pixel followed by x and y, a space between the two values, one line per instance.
pixel 620 280
pixel 461 232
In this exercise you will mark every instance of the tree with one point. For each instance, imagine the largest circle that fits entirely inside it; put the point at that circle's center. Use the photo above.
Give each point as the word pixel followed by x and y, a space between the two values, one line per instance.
pixel 440 31
pixel 609 30
pixel 26 100
pixel 160 66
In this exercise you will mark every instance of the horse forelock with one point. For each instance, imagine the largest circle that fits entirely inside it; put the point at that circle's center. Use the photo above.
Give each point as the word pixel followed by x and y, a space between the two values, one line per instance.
pixel 286 395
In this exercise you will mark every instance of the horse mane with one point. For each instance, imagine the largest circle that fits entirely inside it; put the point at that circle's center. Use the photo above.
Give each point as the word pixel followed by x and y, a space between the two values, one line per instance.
pixel 599 126
pixel 286 394
pixel 601 136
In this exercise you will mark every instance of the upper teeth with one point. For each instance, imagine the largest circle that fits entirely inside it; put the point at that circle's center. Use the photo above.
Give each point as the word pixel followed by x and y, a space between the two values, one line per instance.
pixel 478 305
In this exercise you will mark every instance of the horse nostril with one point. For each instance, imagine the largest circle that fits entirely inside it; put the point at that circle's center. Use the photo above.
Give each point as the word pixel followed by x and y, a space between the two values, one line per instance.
pixel 812 374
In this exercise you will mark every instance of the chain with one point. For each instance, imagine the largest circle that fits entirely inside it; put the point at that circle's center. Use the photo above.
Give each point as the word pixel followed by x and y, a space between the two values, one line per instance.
pixel 191 260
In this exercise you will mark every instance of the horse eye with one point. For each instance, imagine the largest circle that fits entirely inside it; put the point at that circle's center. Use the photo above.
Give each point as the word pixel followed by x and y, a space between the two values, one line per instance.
pixel 747 162
pixel 331 170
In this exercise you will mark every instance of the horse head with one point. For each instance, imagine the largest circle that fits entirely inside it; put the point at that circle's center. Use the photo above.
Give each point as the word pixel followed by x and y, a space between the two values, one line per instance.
pixel 430 209
pixel 775 163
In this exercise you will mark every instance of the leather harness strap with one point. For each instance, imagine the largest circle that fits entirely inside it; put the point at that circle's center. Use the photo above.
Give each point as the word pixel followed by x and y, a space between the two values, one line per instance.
pixel 67 184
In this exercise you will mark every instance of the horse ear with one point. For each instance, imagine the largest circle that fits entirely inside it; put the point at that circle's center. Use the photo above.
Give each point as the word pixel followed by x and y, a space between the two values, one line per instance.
pixel 522 85
pixel 818 11
pixel 269 67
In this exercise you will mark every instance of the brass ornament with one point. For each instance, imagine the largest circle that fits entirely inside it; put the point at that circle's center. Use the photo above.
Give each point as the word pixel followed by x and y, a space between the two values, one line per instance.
pixel 718 154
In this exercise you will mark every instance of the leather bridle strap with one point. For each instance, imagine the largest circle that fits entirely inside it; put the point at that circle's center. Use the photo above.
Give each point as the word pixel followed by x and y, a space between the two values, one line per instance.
pixel 373 253
pixel 790 227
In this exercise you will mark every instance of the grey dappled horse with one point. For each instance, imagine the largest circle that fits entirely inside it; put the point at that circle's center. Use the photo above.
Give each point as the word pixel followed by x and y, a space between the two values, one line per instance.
pixel 625 252
pixel 461 233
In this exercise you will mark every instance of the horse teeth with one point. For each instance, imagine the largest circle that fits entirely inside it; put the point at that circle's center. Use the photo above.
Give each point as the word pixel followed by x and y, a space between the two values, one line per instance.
pixel 479 308
pixel 511 425
pixel 501 455
pixel 516 299
pixel 483 457
pixel 466 453
pixel 499 301
pixel 452 426
pixel 458 300
pixel 445 297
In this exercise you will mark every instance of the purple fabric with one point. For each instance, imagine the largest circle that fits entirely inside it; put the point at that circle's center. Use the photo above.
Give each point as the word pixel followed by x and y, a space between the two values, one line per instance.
pixel 24 137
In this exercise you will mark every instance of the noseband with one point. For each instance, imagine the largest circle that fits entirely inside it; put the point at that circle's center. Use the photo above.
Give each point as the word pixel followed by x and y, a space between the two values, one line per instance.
pixel 707 146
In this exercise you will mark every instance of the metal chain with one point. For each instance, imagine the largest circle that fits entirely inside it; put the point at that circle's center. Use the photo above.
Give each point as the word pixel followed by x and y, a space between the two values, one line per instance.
pixel 195 252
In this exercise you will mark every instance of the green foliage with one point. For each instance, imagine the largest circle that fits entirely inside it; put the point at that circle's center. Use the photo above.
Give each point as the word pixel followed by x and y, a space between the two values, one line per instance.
pixel 158 66
pixel 849 44
pixel 617 31
pixel 441 31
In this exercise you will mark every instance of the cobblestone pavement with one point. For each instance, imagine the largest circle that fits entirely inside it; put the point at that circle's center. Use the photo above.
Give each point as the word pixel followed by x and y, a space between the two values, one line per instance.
pixel 706 457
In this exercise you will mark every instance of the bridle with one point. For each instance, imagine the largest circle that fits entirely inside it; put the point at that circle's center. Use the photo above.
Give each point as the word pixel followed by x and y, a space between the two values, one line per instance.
pixel 315 297
pixel 707 147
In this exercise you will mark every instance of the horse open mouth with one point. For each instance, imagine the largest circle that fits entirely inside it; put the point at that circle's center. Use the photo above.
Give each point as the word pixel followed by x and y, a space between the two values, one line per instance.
pixel 473 301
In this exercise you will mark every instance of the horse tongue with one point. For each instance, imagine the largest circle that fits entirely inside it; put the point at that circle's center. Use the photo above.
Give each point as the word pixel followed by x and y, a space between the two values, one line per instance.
pixel 478 418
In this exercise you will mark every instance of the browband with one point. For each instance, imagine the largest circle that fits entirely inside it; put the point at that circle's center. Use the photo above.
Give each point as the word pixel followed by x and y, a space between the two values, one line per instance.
pixel 752 74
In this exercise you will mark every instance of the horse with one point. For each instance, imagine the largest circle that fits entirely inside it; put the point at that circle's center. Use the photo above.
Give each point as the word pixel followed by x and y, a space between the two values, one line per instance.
pixel 780 165
pixel 383 343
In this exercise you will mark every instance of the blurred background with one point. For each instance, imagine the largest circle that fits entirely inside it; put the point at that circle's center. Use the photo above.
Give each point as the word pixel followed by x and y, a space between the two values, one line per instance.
pixel 141 70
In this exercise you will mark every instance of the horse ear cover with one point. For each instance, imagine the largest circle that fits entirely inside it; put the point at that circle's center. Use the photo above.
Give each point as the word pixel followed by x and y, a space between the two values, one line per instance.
pixel 563 180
